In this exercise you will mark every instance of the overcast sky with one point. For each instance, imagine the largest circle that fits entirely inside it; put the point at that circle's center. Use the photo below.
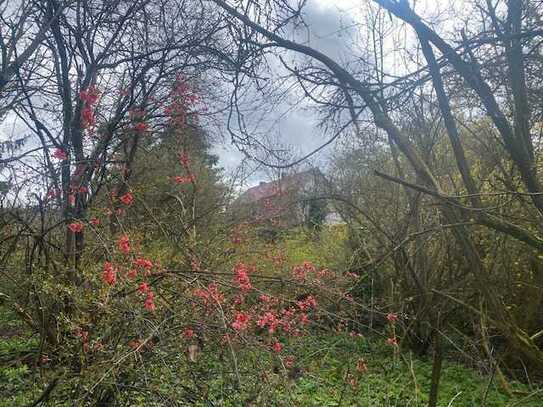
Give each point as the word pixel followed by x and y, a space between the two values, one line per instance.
pixel 330 24
pixel 331 30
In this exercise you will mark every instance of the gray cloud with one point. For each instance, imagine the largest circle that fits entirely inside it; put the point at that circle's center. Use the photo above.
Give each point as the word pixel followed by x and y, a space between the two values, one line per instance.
pixel 291 123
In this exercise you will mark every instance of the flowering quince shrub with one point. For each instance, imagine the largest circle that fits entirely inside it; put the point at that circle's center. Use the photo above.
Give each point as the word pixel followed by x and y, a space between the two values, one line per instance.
pixel 151 284
pixel 213 309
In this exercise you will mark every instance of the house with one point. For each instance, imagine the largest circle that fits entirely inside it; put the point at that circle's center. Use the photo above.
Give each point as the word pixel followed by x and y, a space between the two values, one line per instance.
pixel 292 200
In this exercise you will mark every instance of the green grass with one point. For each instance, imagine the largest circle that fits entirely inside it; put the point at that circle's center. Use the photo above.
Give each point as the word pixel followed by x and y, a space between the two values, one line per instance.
pixel 391 380
pixel 165 377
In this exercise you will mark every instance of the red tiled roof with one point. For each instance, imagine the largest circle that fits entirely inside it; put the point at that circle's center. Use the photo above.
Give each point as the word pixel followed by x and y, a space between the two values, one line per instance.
pixel 286 183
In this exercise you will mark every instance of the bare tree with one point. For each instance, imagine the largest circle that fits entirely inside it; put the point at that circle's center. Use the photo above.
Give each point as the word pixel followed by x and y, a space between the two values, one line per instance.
pixel 264 31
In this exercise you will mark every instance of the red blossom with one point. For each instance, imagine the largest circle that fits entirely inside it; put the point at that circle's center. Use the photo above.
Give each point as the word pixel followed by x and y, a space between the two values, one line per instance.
pixel 195 265
pixel 183 97
pixel 143 263
pixel 209 294
pixel 277 347
pixel 60 154
pixel 87 117
pixel 241 321
pixel 141 127
pixel 304 319
pixel 184 159
pixel 143 288
pixel 82 334
pixel 308 303
pixel 289 361
pixel 109 275
pixel 76 227
pixel 270 320
pixel 89 97
pixel 300 272
pixel 238 299
pixel 132 274
pixel 123 244
pixel 127 199
pixel 392 317
pixel 242 277
pixel 71 199
pixel 188 333
pixel 149 303
pixel 95 222
pixel 184 179
pixel 308 266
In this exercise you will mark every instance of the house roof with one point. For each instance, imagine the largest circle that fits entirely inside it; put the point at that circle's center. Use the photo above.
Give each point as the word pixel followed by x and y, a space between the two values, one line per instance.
pixel 285 183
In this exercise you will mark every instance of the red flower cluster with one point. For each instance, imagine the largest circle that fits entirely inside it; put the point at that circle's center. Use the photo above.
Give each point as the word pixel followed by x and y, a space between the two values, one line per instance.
pixel 242 277
pixel 270 320
pixel 149 301
pixel 264 298
pixel 183 97
pixel 109 275
pixel 138 118
pixel 143 263
pixel 184 159
pixel 308 303
pixel 277 347
pixel 141 127
pixel 300 272
pixel 76 227
pixel 127 199
pixel 241 321
pixel 60 154
pixel 289 361
pixel 209 295
pixel 84 336
pixel 123 244
pixel 89 97
pixel 143 288
pixel 187 179
pixel 188 333
pixel 392 318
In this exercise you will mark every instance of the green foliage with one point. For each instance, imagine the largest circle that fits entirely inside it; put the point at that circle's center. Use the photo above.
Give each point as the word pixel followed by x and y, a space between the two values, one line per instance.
pixel 316 213
pixel 325 363
pixel 329 249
